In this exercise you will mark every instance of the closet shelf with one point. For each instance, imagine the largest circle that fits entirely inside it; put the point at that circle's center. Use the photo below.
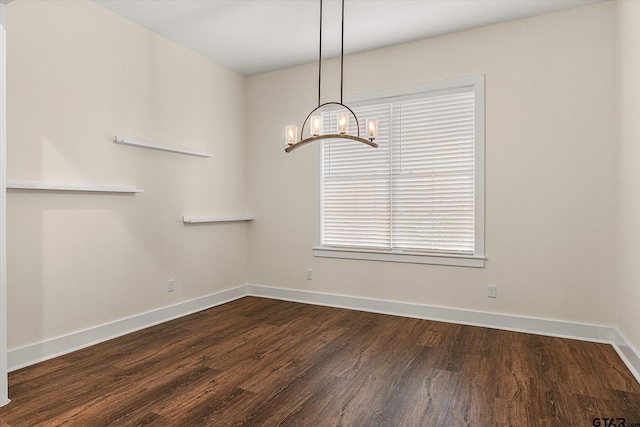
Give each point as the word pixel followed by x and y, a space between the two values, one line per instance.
pixel 151 146
pixel 21 184
pixel 189 219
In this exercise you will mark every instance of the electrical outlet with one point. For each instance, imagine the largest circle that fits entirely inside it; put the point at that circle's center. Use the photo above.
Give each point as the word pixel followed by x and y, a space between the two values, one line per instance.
pixel 309 274
pixel 493 291
pixel 171 286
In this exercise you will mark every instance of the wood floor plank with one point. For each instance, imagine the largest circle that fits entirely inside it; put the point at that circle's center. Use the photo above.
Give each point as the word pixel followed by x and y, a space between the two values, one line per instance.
pixel 113 408
pixel 263 362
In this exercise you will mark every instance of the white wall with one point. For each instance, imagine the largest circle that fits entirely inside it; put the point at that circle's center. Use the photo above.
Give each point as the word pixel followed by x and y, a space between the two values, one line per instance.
pixel 628 248
pixel 78 75
pixel 550 170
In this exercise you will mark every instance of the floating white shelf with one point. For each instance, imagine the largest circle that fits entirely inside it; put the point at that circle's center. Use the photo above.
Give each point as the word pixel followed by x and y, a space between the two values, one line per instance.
pixel 187 219
pixel 160 147
pixel 20 184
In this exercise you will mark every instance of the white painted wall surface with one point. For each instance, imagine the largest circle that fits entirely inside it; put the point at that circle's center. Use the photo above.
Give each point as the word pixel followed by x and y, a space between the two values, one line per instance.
pixel 78 75
pixel 628 248
pixel 550 170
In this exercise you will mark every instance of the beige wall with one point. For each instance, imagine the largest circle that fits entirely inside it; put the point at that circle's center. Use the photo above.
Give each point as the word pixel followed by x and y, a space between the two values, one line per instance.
pixel 550 170
pixel 78 75
pixel 628 249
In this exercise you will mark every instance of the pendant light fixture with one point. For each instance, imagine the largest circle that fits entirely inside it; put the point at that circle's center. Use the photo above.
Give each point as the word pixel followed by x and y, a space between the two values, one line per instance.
pixel 342 131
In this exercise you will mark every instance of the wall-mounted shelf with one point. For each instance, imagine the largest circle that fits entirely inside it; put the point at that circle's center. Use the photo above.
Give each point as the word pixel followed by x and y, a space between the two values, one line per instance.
pixel 140 144
pixel 20 184
pixel 189 219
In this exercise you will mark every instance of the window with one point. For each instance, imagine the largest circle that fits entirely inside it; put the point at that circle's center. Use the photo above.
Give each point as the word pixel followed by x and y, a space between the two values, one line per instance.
pixel 418 197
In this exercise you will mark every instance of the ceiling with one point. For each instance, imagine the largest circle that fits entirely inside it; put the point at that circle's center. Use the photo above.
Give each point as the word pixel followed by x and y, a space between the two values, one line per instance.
pixel 255 36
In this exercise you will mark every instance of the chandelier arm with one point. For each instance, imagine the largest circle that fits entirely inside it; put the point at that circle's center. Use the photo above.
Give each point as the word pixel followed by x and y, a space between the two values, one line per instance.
pixel 325 104
pixel 332 136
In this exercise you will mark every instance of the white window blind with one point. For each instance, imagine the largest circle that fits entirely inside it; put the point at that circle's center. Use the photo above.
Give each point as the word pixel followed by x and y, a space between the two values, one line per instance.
pixel 417 192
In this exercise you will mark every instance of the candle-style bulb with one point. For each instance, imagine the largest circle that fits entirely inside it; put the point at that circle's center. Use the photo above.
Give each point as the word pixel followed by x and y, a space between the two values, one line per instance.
pixel 343 123
pixel 291 135
pixel 316 125
pixel 372 128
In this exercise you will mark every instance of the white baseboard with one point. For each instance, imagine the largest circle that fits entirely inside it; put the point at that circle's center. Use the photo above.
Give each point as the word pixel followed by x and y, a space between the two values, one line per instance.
pixel 452 315
pixel 34 353
pixel 31 354
pixel 628 353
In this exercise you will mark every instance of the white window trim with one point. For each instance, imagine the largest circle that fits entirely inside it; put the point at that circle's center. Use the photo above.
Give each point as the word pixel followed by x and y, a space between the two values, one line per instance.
pixel 478 259
pixel 4 383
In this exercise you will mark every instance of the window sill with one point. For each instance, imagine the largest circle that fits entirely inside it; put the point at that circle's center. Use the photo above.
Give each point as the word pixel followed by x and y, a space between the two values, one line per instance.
pixel 452 260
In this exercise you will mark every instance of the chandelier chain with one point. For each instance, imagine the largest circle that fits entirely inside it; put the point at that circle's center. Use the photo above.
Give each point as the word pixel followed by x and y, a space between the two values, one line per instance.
pixel 320 57
pixel 342 53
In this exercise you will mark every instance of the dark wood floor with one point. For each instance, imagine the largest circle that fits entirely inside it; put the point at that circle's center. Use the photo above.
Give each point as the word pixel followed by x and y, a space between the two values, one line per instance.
pixel 263 362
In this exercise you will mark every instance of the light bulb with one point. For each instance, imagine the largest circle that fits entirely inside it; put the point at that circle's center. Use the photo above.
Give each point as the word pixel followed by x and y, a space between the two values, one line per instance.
pixel 343 123
pixel 372 128
pixel 291 134
pixel 316 125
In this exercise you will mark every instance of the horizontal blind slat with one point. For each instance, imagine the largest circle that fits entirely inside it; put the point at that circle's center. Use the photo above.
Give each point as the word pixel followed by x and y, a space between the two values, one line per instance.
pixel 416 191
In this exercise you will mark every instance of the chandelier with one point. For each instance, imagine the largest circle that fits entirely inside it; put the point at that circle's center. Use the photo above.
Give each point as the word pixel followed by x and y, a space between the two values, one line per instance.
pixel 315 132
